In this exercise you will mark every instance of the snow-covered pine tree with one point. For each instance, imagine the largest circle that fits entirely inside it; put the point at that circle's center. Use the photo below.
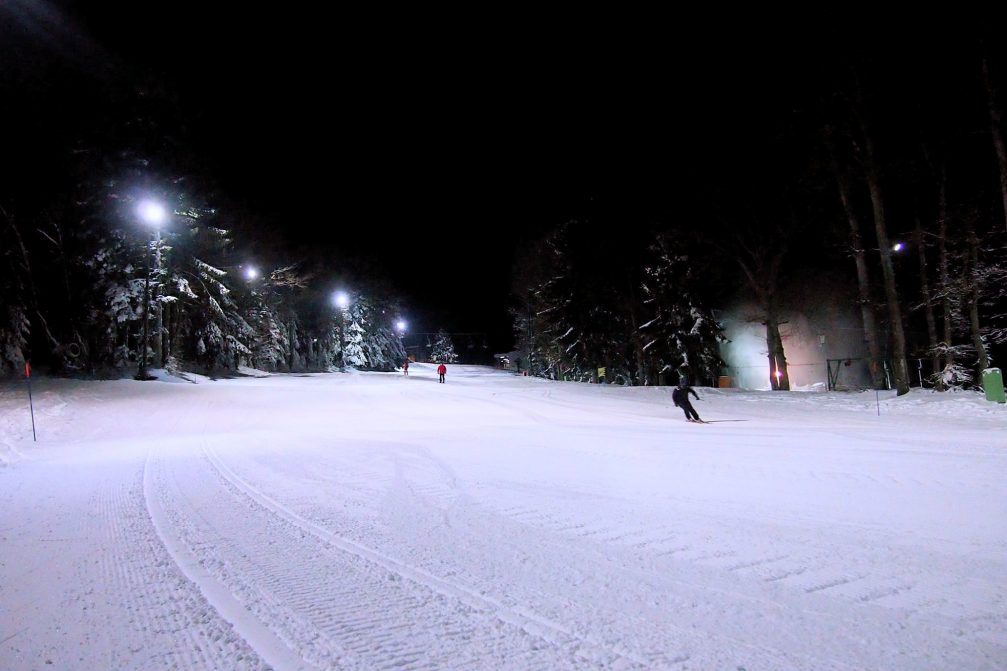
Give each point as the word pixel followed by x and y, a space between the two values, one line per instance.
pixel 382 345
pixel 91 245
pixel 975 292
pixel 206 324
pixel 97 257
pixel 383 348
pixel 443 350
pixel 269 344
pixel 14 324
pixel 681 332
pixel 278 295
pixel 14 334
pixel 549 337
pixel 354 355
pixel 118 276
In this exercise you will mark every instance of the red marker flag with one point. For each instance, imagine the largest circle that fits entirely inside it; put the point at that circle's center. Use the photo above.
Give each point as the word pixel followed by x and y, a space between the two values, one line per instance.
pixel 27 369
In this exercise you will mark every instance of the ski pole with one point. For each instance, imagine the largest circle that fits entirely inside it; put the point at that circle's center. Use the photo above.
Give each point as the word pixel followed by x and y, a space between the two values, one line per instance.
pixel 31 405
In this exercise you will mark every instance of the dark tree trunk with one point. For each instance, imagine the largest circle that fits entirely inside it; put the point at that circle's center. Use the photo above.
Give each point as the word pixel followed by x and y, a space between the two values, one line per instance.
pixel 973 301
pixel 55 346
pixel 166 342
pixel 887 269
pixel 944 266
pixel 998 141
pixel 779 375
pixel 761 266
pixel 642 376
pixel 157 353
pixel 863 275
pixel 928 305
pixel 891 294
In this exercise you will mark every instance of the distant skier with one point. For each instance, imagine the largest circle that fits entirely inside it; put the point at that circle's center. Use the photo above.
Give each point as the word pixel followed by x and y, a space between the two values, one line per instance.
pixel 405 367
pixel 442 370
pixel 680 397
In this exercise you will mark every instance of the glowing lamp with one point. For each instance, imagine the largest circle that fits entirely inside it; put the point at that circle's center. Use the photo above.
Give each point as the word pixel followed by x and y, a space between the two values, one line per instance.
pixel 152 212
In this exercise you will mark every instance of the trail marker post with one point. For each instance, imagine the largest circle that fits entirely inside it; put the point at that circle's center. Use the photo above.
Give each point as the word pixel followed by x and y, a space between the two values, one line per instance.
pixel 31 405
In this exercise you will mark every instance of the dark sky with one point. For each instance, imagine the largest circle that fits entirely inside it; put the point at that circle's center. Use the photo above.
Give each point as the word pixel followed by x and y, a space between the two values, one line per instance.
pixel 432 150
pixel 434 145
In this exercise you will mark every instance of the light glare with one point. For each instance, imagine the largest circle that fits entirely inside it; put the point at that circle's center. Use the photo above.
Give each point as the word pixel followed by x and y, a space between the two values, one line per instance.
pixel 342 300
pixel 152 212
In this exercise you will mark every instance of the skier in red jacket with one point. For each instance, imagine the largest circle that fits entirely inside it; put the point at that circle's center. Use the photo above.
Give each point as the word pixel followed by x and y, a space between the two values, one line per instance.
pixel 442 370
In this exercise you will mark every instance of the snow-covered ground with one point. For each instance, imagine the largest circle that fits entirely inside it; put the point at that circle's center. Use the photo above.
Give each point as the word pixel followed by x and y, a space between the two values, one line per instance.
pixel 368 521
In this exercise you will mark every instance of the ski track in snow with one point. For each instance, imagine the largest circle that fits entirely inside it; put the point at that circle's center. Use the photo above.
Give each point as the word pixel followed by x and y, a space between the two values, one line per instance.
pixel 378 521
pixel 453 598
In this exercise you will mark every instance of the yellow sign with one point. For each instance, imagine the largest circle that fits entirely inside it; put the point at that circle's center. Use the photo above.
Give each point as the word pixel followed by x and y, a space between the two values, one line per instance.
pixel 601 372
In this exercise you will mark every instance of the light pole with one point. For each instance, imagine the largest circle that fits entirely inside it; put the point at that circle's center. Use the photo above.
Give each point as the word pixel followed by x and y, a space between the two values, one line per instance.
pixel 342 301
pixel 160 339
pixel 152 214
pixel 400 328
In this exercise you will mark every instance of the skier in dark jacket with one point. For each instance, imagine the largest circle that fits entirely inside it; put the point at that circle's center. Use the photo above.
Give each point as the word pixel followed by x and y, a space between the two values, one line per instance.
pixel 680 397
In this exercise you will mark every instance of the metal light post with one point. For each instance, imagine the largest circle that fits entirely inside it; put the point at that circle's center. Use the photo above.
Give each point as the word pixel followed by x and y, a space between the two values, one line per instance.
pixel 250 273
pixel 400 329
pixel 153 214
pixel 342 301
pixel 161 339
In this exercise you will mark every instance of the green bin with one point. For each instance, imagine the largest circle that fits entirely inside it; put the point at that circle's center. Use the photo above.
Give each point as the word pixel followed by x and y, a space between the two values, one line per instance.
pixel 993 383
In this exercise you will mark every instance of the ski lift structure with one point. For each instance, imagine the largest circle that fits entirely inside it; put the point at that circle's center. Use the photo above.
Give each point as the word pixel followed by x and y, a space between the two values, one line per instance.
pixel 471 347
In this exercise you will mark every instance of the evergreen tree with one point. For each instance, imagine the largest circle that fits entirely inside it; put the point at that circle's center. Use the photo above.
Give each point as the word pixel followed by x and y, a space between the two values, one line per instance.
pixel 15 327
pixel 382 345
pixel 355 355
pixel 681 334
pixel 547 338
pixel 443 349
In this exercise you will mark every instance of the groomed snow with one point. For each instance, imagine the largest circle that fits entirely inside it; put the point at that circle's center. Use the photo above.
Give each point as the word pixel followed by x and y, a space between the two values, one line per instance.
pixel 367 521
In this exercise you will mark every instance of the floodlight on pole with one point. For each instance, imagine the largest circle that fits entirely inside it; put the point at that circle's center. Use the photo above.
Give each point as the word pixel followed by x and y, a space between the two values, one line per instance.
pixel 152 213
pixel 341 299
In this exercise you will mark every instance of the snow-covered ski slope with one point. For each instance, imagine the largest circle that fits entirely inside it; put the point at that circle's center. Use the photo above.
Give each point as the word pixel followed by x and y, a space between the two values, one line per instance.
pixel 372 521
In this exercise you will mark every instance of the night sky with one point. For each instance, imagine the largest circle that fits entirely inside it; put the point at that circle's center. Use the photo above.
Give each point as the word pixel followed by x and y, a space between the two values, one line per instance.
pixel 434 146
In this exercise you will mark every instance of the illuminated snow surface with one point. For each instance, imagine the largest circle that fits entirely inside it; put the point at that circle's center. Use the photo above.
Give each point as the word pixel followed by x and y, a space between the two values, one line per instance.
pixel 370 521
